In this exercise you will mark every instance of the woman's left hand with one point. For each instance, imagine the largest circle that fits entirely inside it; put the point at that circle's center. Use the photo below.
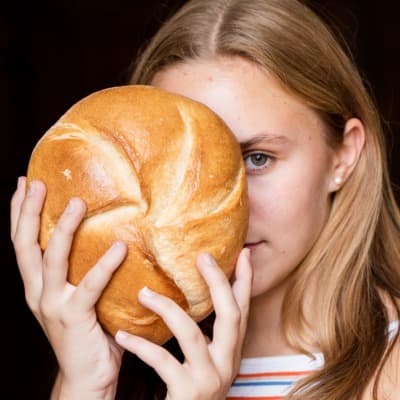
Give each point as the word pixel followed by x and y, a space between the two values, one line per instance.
pixel 209 367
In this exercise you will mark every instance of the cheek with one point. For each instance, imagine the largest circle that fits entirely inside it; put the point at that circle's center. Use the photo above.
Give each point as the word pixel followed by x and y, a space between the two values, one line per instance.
pixel 290 204
pixel 288 214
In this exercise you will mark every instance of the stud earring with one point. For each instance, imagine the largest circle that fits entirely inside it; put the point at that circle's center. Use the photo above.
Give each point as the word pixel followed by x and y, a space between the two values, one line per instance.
pixel 338 180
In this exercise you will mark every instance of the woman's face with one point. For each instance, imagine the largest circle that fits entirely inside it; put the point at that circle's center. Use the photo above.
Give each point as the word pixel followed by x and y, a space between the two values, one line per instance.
pixel 289 165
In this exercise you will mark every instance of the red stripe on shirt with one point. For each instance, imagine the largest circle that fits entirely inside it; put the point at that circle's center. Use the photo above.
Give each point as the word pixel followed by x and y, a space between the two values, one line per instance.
pixel 256 398
pixel 269 374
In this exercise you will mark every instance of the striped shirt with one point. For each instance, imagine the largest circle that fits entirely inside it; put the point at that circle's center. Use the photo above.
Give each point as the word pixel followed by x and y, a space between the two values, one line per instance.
pixel 272 378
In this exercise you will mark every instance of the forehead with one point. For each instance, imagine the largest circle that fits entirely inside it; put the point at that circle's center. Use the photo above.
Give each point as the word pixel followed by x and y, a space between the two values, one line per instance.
pixel 249 99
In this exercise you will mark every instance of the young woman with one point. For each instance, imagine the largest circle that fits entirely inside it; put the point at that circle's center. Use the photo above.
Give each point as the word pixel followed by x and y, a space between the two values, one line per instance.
pixel 316 315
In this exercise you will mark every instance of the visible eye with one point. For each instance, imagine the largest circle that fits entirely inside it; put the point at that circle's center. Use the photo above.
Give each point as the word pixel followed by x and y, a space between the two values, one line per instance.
pixel 256 161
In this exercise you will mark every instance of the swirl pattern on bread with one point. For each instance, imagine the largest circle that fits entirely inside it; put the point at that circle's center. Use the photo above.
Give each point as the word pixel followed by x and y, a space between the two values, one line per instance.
pixel 162 173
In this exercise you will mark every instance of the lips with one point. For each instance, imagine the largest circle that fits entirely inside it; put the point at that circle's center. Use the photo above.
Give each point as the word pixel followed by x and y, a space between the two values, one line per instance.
pixel 253 245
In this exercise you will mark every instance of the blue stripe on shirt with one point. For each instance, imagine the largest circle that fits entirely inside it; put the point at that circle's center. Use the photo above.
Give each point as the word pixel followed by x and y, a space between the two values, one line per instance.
pixel 264 383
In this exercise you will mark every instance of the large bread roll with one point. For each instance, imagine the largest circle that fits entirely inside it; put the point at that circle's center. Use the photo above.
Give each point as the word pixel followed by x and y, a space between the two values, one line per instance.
pixel 162 173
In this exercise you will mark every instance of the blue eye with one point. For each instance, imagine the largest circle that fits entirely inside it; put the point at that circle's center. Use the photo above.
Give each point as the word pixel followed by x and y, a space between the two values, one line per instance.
pixel 256 160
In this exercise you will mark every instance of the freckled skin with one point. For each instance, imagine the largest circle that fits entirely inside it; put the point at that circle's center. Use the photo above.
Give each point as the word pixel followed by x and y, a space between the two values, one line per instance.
pixel 289 195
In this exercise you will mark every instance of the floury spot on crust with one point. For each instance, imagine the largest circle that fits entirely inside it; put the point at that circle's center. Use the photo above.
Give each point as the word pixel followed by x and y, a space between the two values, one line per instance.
pixel 67 173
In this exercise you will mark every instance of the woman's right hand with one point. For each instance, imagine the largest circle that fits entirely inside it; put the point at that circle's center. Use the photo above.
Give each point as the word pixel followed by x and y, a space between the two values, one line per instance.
pixel 89 359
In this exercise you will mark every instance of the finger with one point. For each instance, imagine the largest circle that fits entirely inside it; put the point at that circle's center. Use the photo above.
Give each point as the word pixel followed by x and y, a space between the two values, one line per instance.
pixel 55 258
pixel 167 366
pixel 94 282
pixel 226 331
pixel 188 334
pixel 16 203
pixel 241 288
pixel 225 305
pixel 28 252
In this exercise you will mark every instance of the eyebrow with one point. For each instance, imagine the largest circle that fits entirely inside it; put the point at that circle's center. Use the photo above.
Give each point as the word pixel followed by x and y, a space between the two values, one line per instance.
pixel 264 137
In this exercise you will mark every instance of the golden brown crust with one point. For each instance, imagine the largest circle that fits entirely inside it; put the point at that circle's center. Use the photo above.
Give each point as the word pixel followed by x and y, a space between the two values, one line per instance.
pixel 159 171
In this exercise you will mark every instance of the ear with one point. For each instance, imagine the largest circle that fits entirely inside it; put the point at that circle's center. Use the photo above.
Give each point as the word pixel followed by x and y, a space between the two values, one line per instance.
pixel 346 155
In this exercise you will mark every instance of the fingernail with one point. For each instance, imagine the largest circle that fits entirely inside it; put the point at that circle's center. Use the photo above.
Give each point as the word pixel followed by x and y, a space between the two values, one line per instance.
pixel 119 244
pixel 19 182
pixel 32 189
pixel 121 336
pixel 146 292
pixel 118 248
pixel 208 259
pixel 71 207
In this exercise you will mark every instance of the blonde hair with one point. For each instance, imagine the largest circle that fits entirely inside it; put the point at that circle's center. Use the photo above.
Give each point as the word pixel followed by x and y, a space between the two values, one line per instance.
pixel 357 255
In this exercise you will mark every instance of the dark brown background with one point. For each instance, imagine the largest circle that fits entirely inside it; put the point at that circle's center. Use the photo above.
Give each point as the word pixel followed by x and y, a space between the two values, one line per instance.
pixel 53 53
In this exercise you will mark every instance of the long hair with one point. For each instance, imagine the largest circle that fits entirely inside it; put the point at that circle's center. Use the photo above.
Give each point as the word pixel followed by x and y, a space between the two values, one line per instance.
pixel 357 256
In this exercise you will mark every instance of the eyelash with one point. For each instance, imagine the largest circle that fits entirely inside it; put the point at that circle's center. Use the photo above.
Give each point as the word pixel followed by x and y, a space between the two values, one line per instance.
pixel 267 157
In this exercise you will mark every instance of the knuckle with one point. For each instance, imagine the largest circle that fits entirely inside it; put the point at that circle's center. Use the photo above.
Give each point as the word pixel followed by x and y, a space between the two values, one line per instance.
pixel 88 285
pixel 235 316
pixel 14 199
pixel 170 305
pixel 64 320
pixel 215 385
pixel 47 313
pixel 63 229
pixel 102 268
pixel 196 337
pixel 48 309
pixel 162 356
pixel 32 303
pixel 19 241
pixel 16 241
pixel 52 313
pixel 232 316
pixel 157 356
pixel 91 280
pixel 219 278
pixel 165 305
pixel 209 383
pixel 228 377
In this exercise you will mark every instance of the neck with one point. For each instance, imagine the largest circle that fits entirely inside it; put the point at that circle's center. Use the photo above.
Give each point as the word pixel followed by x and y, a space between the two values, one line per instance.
pixel 264 335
